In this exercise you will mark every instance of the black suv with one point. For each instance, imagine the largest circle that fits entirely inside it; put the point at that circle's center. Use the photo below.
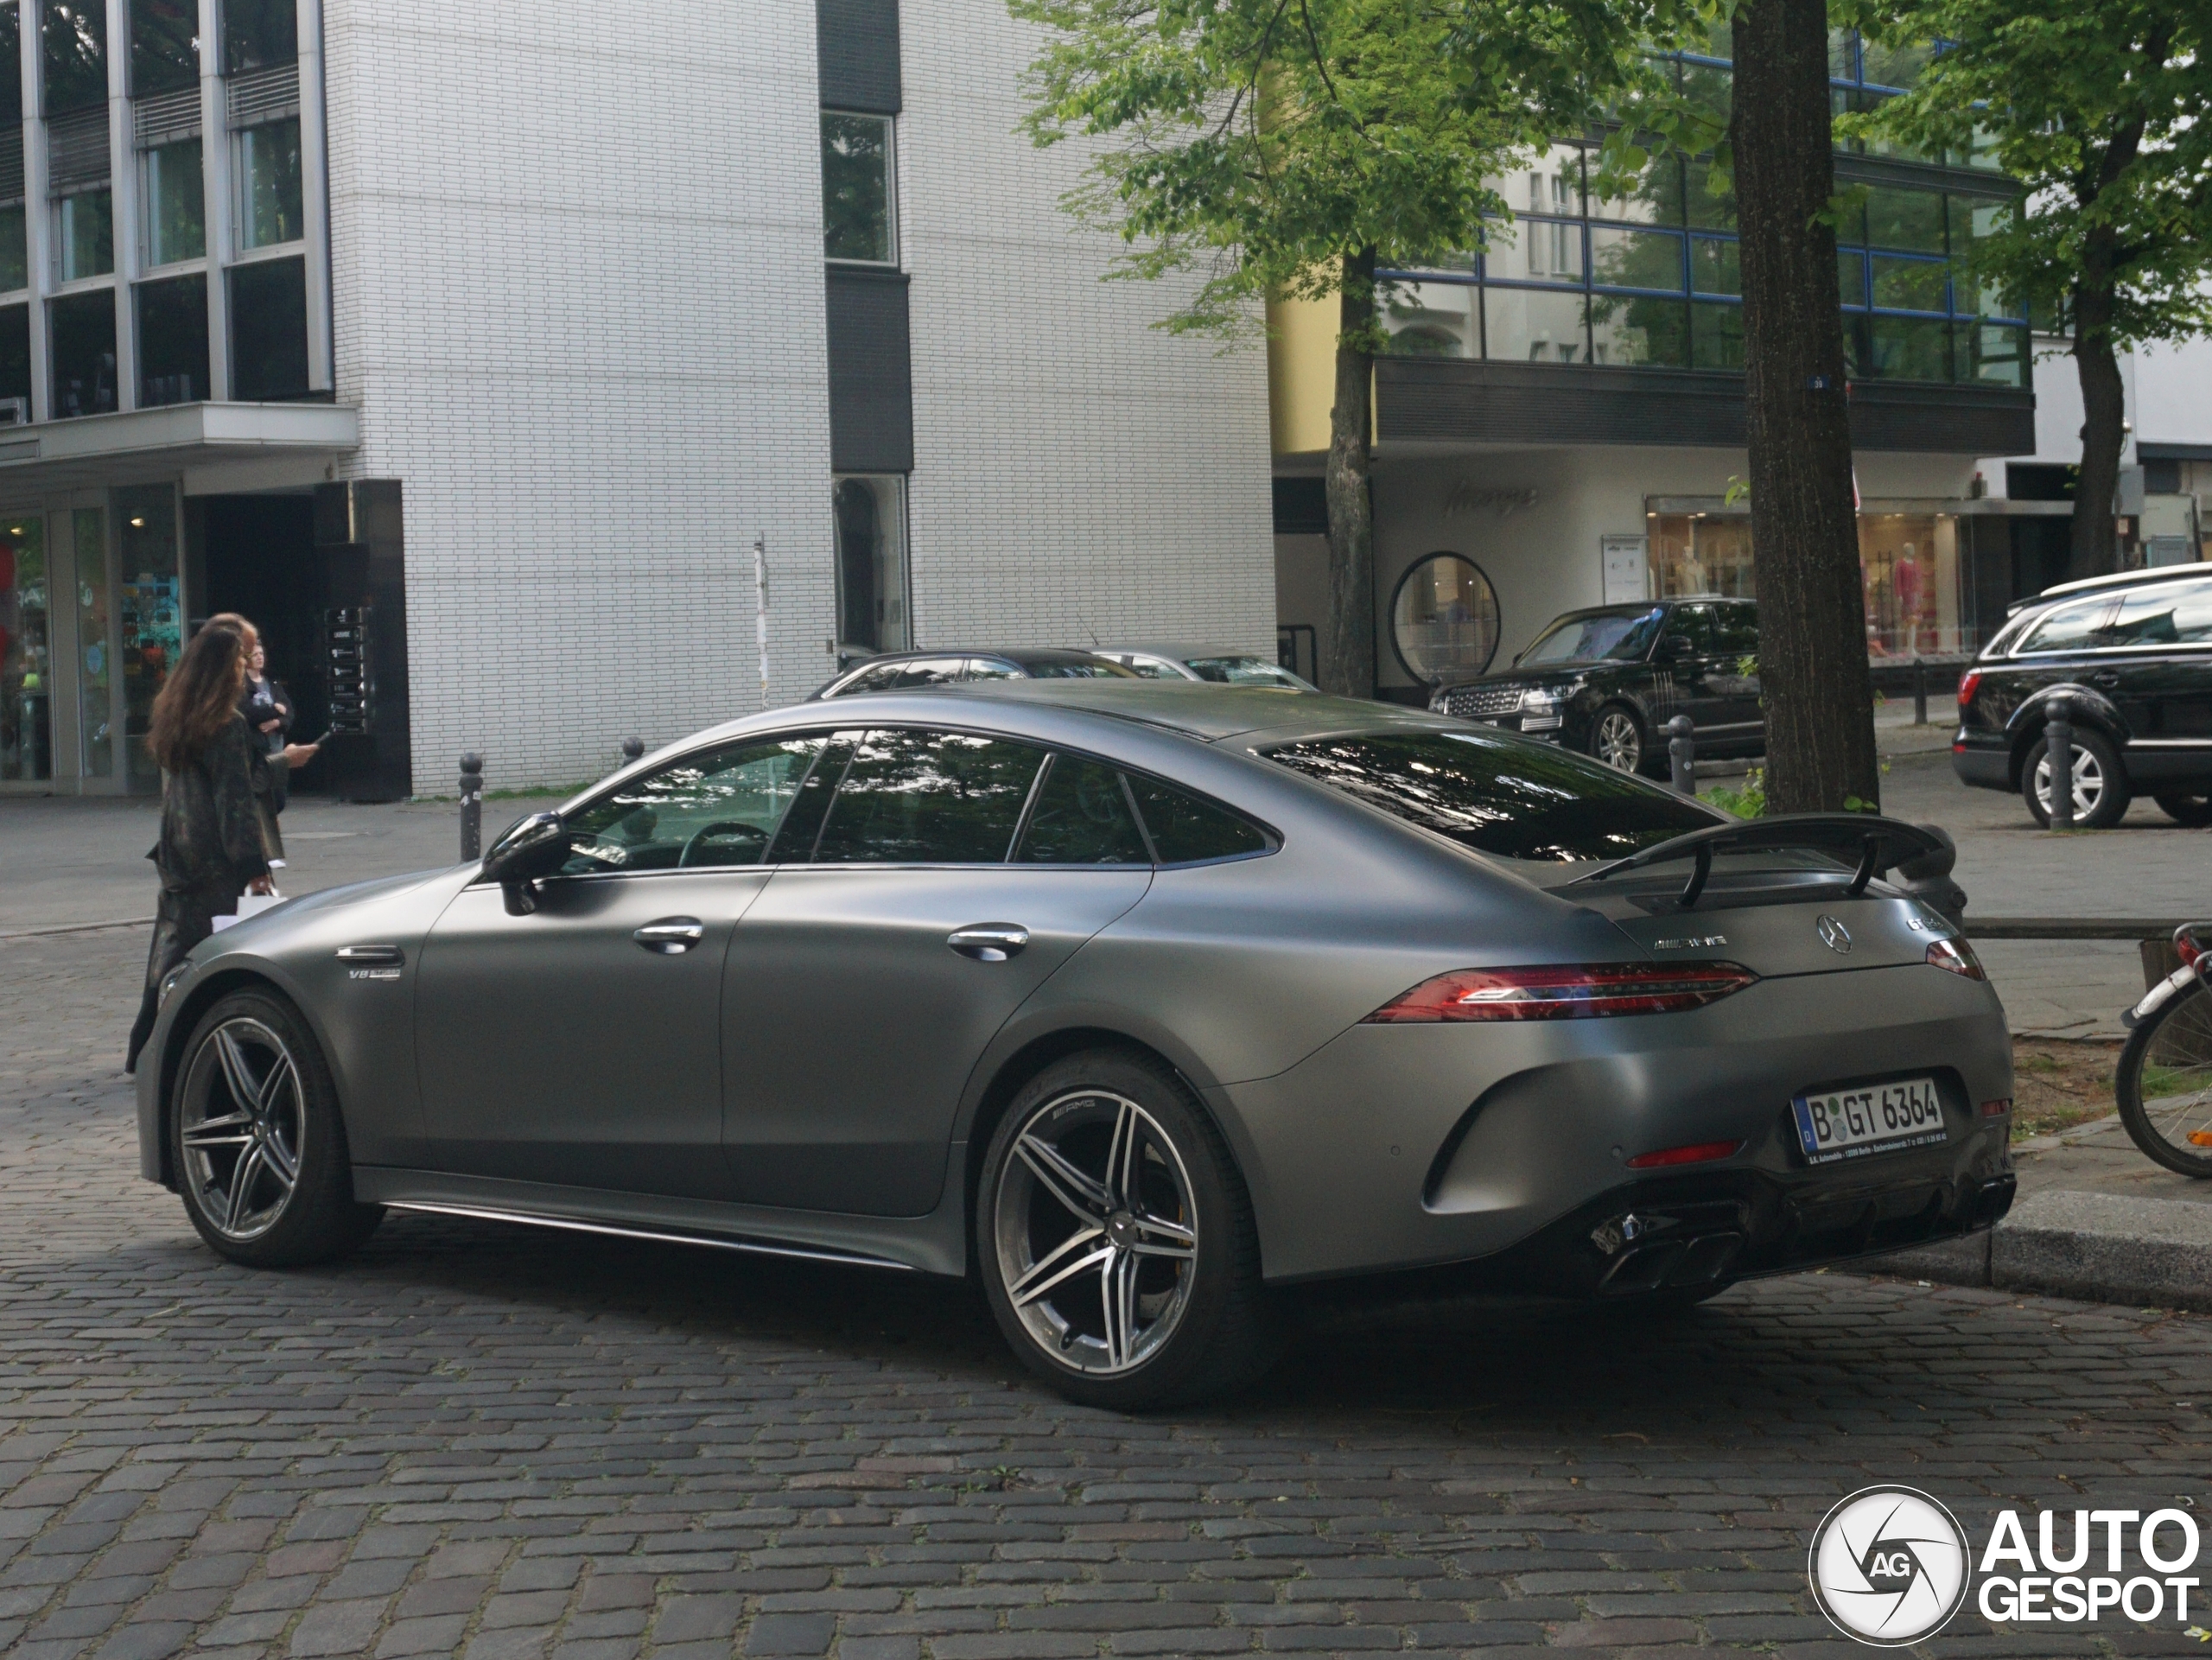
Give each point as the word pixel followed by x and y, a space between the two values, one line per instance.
pixel 2134 652
pixel 1607 680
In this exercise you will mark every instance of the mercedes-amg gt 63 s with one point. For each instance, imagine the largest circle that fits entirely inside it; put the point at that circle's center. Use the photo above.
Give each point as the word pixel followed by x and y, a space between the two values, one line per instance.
pixel 1144 1002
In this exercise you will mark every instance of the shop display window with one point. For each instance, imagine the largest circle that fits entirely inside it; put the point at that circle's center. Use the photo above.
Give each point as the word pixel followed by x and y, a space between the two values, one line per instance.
pixel 95 654
pixel 26 666
pixel 1443 620
pixel 149 608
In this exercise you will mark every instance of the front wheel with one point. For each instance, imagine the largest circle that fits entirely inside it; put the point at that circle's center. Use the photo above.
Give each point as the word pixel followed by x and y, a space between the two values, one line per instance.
pixel 1116 1239
pixel 2194 810
pixel 256 1141
pixel 2165 1082
pixel 2100 782
pixel 1616 739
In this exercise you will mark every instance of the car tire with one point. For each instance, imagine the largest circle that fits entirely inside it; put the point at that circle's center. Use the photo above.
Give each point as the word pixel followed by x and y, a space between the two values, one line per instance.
pixel 2100 793
pixel 257 1140
pixel 2194 810
pixel 1124 1292
pixel 1617 739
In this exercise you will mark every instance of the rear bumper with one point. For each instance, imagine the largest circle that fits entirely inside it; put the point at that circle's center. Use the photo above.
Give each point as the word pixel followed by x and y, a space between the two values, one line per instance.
pixel 1984 765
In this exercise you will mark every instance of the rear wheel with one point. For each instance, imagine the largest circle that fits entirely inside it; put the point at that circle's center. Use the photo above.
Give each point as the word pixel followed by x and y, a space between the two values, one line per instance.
pixel 2165 1083
pixel 2194 810
pixel 1115 1240
pixel 1616 738
pixel 257 1140
pixel 2100 782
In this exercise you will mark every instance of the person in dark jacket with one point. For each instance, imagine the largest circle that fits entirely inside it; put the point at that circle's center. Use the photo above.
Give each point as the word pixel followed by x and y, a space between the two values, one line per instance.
pixel 268 708
pixel 210 848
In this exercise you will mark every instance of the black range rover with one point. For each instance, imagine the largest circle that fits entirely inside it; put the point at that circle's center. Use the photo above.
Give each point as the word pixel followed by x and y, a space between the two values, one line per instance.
pixel 1607 680
pixel 2134 652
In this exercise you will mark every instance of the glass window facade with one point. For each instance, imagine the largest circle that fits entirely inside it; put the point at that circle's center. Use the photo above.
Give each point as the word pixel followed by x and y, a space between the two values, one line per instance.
pixel 176 201
pixel 269 198
pixel 164 45
pixel 1655 274
pixel 151 610
pixel 73 42
pixel 1916 585
pixel 15 255
pixel 259 35
pixel 268 329
pixel 84 354
pixel 96 657
pixel 173 341
pixel 871 518
pixel 84 235
pixel 26 665
pixel 15 355
pixel 856 189
pixel 1443 620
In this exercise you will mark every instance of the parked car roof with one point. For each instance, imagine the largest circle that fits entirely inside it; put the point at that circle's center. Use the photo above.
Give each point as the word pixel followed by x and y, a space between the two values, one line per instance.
pixel 1045 660
pixel 2119 579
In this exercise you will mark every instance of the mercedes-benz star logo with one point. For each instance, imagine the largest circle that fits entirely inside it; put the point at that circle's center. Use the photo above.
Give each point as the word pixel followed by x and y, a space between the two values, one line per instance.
pixel 1833 934
pixel 1890 1565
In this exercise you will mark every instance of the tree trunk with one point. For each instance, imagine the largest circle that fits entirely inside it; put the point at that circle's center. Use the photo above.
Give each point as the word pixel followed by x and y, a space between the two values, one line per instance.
pixel 2096 548
pixel 1347 665
pixel 1812 673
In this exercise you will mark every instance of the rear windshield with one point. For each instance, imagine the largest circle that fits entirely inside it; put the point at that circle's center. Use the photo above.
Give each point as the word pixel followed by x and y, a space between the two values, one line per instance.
pixel 1497 795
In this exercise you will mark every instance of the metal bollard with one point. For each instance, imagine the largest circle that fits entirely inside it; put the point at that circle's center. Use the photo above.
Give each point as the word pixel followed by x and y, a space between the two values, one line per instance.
pixel 472 807
pixel 1682 752
pixel 1919 691
pixel 2058 748
pixel 632 746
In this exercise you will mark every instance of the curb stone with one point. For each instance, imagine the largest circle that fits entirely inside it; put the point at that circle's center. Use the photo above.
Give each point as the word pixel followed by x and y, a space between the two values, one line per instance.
pixel 2100 1247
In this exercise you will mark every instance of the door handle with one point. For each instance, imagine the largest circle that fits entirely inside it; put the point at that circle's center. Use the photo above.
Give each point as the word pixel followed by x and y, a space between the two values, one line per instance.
pixel 671 935
pixel 989 942
pixel 2105 678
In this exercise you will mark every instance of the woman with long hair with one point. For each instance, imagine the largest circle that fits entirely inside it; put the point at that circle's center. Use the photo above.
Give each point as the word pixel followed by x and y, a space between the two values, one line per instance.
pixel 210 848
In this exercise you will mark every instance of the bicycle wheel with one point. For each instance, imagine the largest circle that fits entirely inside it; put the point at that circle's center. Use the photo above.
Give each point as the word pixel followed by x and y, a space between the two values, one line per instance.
pixel 2165 1083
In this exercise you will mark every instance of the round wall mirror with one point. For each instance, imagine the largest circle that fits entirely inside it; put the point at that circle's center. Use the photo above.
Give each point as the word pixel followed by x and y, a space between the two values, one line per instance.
pixel 1443 620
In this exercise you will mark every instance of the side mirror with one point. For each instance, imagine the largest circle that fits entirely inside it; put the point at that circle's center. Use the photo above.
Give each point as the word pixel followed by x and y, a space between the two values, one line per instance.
pixel 535 848
pixel 1674 645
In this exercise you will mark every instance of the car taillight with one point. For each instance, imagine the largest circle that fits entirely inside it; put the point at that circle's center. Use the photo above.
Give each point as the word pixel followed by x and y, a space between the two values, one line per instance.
pixel 1582 991
pixel 1997 1108
pixel 1957 956
pixel 1968 683
pixel 1697 1153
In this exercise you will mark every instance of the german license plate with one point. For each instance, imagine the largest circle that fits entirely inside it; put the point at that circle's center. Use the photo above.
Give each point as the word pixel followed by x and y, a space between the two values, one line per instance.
pixel 1835 1125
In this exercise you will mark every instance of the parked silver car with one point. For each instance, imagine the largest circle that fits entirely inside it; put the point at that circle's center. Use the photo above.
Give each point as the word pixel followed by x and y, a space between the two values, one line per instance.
pixel 1142 1002
pixel 1222 664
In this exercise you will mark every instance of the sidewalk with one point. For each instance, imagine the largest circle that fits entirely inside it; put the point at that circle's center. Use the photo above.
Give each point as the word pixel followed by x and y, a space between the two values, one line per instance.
pixel 2095 1220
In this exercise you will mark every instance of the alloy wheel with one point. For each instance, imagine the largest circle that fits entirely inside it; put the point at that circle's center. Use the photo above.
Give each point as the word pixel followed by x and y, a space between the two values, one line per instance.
pixel 1619 743
pixel 242 1122
pixel 2088 782
pixel 1096 1231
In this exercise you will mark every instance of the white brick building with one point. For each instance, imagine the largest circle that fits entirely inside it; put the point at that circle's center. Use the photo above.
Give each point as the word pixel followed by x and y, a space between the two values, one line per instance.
pixel 517 327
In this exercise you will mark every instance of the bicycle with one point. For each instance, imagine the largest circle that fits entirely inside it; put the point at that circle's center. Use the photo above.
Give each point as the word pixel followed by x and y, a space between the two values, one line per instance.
pixel 2165 1084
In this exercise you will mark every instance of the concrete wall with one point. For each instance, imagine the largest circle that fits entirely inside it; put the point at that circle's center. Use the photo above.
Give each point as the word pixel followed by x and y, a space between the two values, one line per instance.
pixel 1076 470
pixel 578 299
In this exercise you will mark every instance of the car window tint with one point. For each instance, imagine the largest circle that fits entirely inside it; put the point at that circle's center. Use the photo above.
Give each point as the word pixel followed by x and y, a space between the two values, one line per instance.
pixel 1149 668
pixel 2068 628
pixel 794 842
pixel 1076 669
pixel 717 807
pixel 1082 817
pixel 1499 795
pixel 1618 636
pixel 928 671
pixel 1694 624
pixel 914 796
pixel 1188 829
pixel 2172 613
pixel 1243 671
pixel 878 678
pixel 991 668
pixel 1736 627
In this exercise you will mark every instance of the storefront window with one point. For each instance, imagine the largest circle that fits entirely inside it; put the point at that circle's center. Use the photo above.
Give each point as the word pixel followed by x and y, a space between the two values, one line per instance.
pixel 96 660
pixel 1443 620
pixel 871 518
pixel 151 612
pixel 1916 585
pixel 26 668
pixel 84 354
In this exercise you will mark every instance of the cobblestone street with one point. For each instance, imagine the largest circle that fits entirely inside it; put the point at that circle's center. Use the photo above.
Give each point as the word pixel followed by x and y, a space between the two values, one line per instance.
pixel 503 1443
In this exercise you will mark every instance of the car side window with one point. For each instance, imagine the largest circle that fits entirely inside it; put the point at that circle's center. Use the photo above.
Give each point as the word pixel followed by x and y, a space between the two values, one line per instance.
pixel 1150 668
pixel 1739 631
pixel 717 806
pixel 990 668
pixel 2069 627
pixel 2172 613
pixel 1188 829
pixel 1693 625
pixel 916 797
pixel 881 678
pixel 1082 816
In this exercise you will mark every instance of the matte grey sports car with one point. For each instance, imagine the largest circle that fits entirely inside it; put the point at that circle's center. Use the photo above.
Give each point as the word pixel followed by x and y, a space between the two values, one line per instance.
pixel 1142 1002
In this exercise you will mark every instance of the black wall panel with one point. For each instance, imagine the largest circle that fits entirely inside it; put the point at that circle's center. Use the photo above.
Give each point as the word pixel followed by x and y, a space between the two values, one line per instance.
pixel 871 377
pixel 857 44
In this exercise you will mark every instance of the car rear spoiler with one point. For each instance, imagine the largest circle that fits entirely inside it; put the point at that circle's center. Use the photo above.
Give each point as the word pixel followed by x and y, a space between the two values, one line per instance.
pixel 1922 855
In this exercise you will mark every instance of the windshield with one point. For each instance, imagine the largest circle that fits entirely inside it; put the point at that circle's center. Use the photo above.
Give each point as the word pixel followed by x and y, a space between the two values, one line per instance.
pixel 1245 671
pixel 1614 636
pixel 1499 795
